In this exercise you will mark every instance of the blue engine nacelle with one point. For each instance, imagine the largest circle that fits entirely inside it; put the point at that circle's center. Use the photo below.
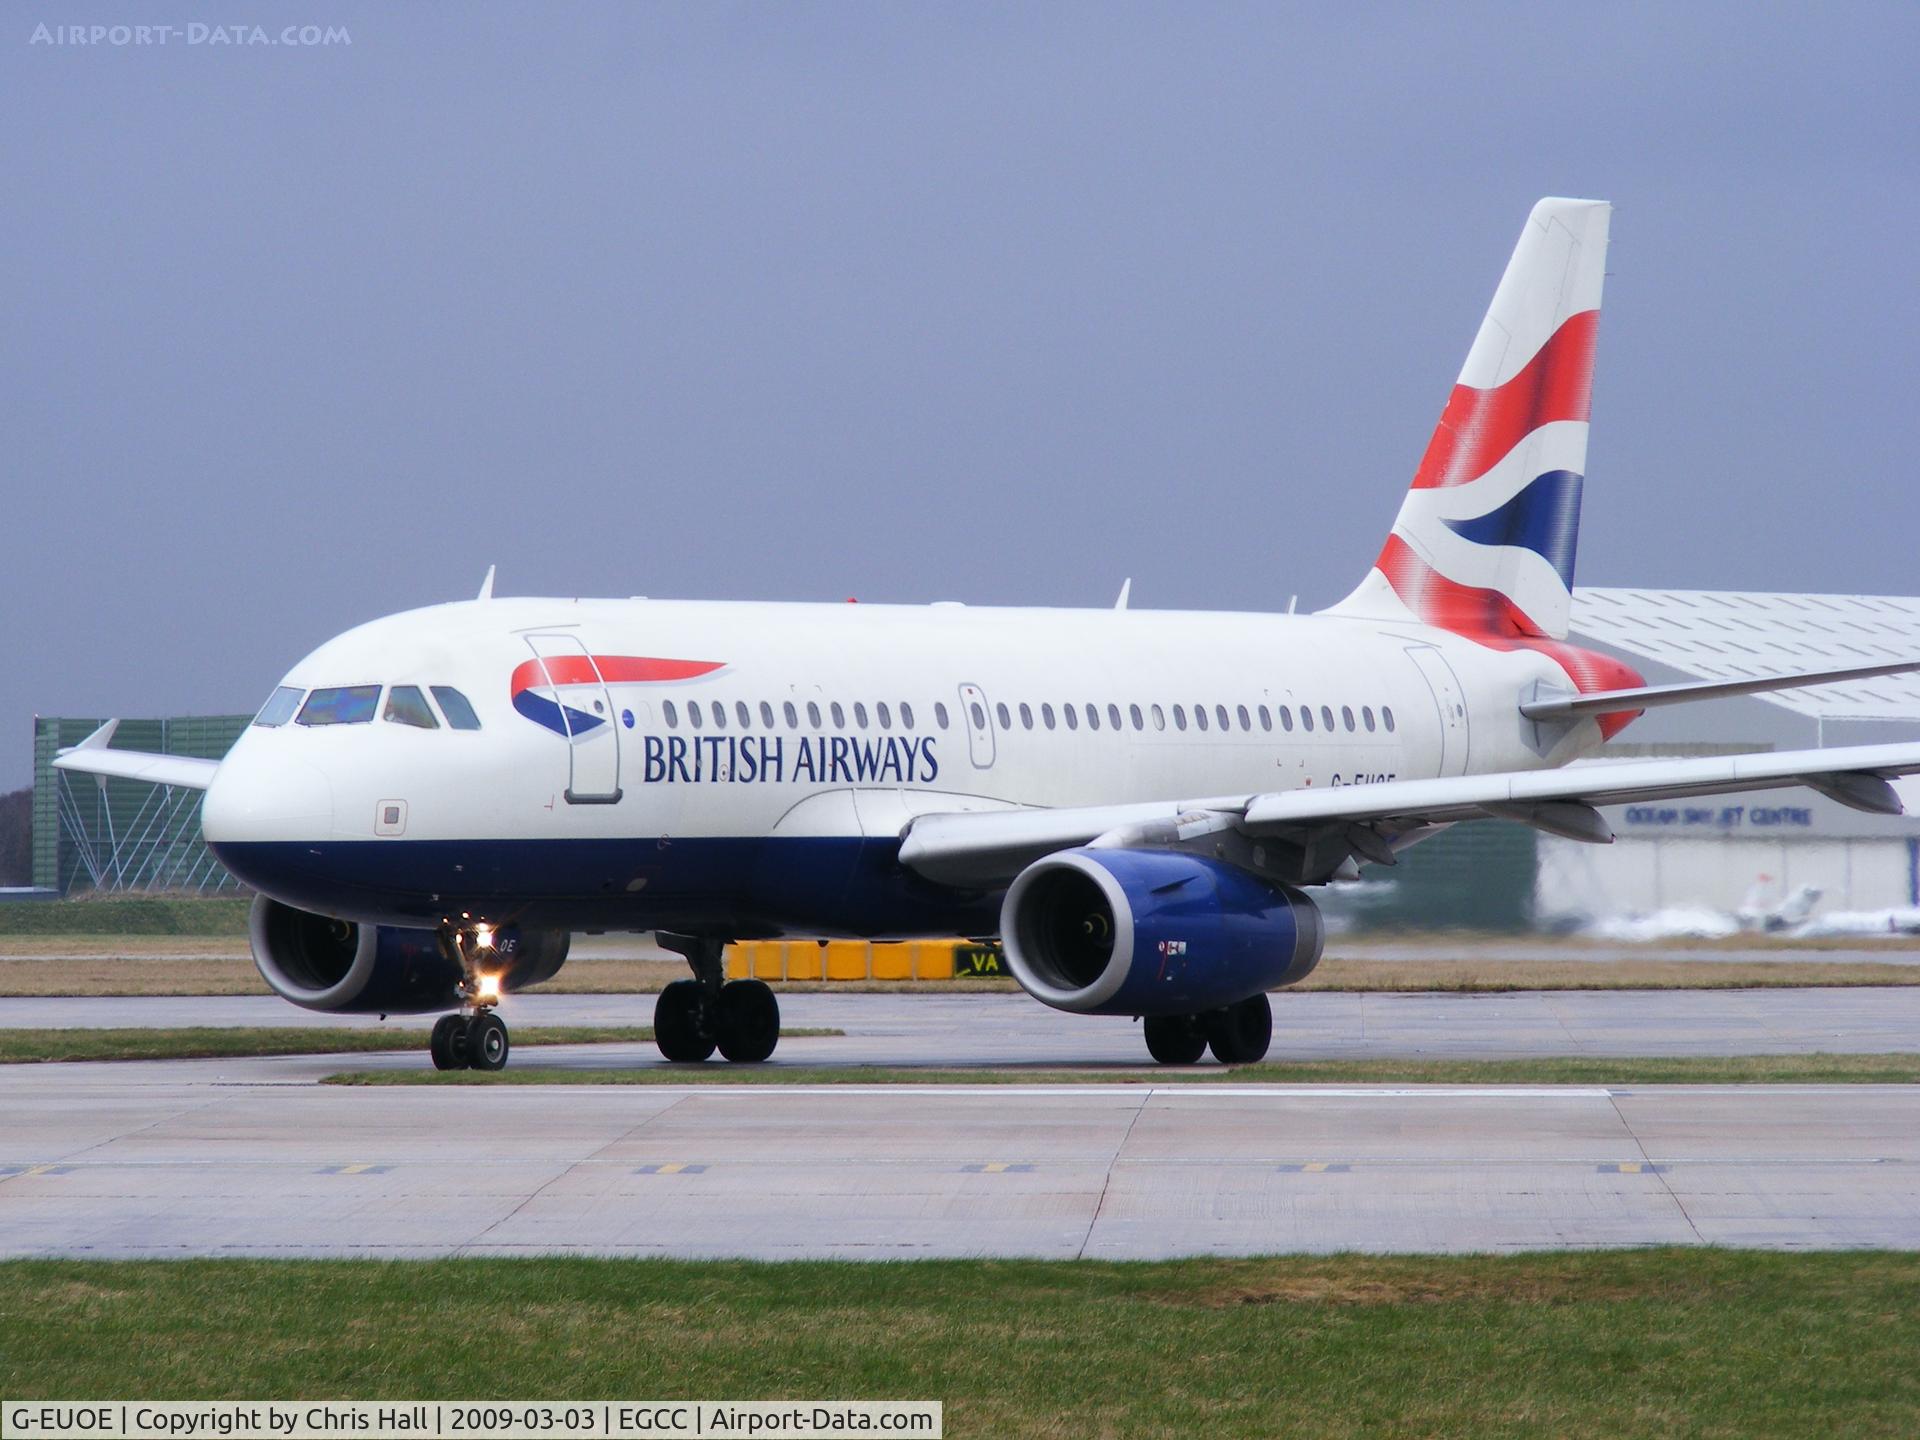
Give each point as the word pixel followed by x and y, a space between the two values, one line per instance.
pixel 323 964
pixel 1153 932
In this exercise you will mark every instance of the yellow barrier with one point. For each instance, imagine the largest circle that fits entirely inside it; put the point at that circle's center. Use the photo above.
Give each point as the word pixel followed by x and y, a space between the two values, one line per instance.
pixel 931 960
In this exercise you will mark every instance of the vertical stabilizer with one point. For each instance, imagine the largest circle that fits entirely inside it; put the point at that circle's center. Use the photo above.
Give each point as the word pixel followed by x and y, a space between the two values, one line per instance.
pixel 1484 542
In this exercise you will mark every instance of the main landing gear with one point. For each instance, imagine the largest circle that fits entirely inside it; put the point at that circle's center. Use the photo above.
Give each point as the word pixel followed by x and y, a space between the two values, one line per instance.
pixel 475 1038
pixel 693 1018
pixel 1237 1035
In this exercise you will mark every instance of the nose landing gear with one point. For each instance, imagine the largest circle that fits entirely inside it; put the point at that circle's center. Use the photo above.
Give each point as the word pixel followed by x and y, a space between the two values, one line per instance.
pixel 475 1038
pixel 693 1018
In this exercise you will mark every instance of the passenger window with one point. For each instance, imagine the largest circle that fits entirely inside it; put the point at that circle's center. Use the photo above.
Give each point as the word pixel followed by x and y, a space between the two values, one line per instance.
pixel 1200 717
pixel 1386 717
pixel 1346 715
pixel 940 714
pixel 693 713
pixel 1006 720
pixel 1306 718
pixel 1093 717
pixel 407 706
pixel 884 714
pixel 1113 715
pixel 979 715
pixel 1220 714
pixel 1073 720
pixel 1046 715
pixel 719 716
pixel 906 716
pixel 839 715
pixel 1266 718
pixel 1159 717
pixel 741 713
pixel 341 705
pixel 1133 714
pixel 766 716
pixel 672 714
pixel 860 714
pixel 1366 717
pixel 1286 719
pixel 1026 716
pixel 280 707
pixel 1179 718
pixel 1246 721
pixel 793 715
pixel 813 714
pixel 1326 717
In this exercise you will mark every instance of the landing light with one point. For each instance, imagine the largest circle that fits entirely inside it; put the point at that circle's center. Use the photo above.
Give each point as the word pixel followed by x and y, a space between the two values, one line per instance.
pixel 489 987
pixel 483 936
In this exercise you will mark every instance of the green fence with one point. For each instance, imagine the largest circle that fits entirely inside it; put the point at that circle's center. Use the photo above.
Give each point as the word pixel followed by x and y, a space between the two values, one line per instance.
pixel 125 835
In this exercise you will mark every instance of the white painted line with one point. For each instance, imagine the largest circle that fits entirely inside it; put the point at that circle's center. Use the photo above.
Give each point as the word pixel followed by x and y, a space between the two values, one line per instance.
pixel 1097 1090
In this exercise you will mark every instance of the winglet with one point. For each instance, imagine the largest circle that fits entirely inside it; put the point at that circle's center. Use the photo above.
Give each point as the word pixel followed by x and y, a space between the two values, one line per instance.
pixel 98 740
pixel 1126 589
pixel 486 586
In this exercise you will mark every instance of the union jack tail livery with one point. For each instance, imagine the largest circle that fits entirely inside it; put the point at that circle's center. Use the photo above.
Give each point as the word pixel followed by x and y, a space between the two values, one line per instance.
pixel 1484 542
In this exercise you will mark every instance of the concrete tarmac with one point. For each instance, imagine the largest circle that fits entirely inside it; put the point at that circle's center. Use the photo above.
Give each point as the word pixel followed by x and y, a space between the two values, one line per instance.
pixel 250 1157
pixel 1011 1029
pixel 1108 1171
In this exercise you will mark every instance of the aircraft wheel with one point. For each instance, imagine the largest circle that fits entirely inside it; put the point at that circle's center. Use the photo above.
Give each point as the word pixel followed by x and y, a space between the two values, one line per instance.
pixel 748 1023
pixel 487 1043
pixel 683 1022
pixel 1241 1033
pixel 448 1045
pixel 1175 1039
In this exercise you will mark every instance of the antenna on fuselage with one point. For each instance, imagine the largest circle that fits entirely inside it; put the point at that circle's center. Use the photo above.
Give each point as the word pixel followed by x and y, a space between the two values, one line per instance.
pixel 1126 589
pixel 486 586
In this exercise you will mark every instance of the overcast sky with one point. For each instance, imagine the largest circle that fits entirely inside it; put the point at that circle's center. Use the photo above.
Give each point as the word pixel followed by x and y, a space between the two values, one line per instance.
pixel 907 302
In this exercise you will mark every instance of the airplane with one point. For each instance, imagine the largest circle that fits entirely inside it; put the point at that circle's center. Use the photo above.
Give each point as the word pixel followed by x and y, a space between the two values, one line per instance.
pixel 1137 802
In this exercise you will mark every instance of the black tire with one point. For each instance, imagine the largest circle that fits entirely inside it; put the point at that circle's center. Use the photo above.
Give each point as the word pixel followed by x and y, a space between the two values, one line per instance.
pixel 683 1022
pixel 1175 1039
pixel 1241 1033
pixel 748 1023
pixel 487 1042
pixel 448 1045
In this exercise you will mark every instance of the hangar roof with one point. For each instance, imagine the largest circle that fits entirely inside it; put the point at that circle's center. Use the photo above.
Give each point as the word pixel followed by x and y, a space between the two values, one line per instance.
pixel 1728 634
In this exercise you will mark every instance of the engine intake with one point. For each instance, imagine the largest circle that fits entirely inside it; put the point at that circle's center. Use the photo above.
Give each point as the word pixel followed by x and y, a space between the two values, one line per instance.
pixel 320 963
pixel 1153 932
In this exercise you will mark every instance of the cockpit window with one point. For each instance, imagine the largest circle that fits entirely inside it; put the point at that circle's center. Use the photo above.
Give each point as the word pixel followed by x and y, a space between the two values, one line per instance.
pixel 455 707
pixel 407 706
pixel 341 705
pixel 280 706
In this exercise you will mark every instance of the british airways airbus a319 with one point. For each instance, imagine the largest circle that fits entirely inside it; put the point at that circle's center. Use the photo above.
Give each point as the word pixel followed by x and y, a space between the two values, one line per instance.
pixel 1138 803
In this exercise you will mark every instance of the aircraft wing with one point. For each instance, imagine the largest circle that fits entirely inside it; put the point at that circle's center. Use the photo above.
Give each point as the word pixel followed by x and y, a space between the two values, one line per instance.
pixel 92 757
pixel 986 849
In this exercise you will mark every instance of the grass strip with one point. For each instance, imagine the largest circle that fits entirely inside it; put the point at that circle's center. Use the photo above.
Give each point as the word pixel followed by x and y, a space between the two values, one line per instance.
pixel 1664 1342
pixel 218 1042
pixel 145 915
pixel 1815 1069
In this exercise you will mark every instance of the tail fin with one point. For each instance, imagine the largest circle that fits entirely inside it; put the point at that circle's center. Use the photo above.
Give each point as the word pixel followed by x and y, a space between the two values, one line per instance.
pixel 1484 543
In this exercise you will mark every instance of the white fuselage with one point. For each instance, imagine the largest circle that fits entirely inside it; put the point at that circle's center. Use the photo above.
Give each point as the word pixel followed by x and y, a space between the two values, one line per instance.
pixel 821 731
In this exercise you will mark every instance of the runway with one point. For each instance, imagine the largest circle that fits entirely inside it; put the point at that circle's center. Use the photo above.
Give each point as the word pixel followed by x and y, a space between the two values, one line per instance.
pixel 250 1157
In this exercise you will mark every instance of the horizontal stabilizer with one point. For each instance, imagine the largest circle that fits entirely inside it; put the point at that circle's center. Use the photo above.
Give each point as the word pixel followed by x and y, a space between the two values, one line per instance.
pixel 1614 702
pixel 92 757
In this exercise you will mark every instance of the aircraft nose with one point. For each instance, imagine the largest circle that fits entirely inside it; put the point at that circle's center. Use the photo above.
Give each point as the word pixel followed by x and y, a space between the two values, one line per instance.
pixel 255 797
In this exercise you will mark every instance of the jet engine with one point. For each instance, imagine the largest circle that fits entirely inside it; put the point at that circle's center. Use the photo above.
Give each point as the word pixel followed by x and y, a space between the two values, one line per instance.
pixel 320 963
pixel 1153 932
